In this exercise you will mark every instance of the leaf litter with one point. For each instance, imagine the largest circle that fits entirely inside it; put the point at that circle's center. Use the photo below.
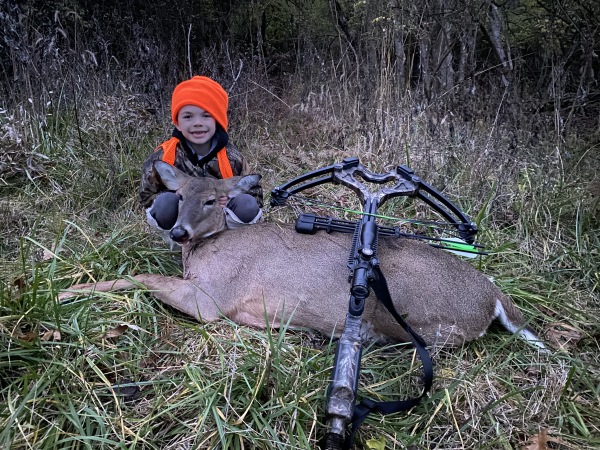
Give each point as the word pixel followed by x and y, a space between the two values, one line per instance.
pixel 51 334
pixel 540 442
pixel 564 336
pixel 119 330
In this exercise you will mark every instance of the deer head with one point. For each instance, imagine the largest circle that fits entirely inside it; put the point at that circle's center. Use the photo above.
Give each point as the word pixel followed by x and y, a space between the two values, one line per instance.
pixel 200 215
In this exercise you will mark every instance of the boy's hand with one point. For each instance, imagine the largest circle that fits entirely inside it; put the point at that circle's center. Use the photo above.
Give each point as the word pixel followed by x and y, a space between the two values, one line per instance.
pixel 223 201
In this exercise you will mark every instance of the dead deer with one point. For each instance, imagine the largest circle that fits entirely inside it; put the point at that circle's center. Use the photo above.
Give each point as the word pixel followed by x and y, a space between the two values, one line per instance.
pixel 241 272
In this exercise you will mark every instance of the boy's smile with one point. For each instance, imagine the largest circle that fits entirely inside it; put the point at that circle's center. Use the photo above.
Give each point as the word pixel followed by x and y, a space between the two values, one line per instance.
pixel 197 126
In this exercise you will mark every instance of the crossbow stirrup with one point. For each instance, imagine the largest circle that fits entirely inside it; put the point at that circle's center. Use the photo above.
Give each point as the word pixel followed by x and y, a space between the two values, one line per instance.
pixel 366 275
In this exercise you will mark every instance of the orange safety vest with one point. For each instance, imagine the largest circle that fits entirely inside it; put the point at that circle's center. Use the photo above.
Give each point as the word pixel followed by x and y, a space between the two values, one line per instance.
pixel 170 147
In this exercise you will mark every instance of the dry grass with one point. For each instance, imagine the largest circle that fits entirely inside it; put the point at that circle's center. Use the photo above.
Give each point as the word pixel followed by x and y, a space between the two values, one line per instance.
pixel 70 189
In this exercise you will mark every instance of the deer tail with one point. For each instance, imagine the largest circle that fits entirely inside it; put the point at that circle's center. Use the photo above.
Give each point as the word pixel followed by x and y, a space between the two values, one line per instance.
pixel 512 319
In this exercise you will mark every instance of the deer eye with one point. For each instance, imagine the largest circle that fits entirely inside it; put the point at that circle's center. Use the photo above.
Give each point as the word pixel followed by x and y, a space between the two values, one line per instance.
pixel 209 203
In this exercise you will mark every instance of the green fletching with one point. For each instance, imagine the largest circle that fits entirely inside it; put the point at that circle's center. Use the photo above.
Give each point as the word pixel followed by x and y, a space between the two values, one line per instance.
pixel 458 246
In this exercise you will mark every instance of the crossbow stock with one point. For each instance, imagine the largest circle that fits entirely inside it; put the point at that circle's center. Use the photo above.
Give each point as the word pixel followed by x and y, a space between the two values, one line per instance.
pixel 365 274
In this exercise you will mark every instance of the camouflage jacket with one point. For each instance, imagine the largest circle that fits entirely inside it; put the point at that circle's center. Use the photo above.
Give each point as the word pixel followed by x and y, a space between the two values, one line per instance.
pixel 188 162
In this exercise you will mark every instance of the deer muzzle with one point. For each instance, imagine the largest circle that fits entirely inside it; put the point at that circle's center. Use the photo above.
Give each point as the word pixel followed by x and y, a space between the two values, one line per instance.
pixel 179 235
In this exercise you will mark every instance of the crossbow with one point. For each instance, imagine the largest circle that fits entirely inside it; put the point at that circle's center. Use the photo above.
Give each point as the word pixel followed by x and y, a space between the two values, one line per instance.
pixel 366 274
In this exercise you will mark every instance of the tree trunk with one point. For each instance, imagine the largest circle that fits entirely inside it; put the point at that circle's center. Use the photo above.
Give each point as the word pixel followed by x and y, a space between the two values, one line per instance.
pixel 424 51
pixel 342 21
pixel 446 72
pixel 400 57
pixel 496 40
pixel 462 61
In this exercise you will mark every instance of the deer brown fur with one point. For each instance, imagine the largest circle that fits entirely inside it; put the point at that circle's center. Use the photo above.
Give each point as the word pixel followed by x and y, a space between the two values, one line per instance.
pixel 239 273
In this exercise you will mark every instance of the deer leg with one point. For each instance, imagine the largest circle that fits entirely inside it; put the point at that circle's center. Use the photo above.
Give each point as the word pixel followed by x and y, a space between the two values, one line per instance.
pixel 181 294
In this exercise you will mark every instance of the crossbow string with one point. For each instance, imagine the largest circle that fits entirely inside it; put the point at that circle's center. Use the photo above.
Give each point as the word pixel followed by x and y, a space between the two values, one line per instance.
pixel 447 229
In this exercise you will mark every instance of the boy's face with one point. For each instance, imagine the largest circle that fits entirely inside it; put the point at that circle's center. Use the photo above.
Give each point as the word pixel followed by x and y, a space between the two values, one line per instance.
pixel 197 125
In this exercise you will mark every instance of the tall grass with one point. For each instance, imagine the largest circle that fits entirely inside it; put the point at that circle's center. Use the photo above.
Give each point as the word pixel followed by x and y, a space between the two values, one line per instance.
pixel 124 371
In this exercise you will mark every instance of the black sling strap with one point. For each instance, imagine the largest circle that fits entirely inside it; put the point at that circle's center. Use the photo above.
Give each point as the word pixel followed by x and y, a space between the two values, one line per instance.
pixel 366 406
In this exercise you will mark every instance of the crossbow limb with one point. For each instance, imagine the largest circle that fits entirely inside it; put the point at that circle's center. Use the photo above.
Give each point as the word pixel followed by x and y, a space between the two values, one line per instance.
pixel 407 184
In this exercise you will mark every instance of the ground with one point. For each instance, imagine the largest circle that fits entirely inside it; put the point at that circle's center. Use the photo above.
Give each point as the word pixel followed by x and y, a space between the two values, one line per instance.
pixel 122 371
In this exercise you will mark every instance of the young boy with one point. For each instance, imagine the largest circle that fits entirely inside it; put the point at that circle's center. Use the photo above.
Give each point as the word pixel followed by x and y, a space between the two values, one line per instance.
pixel 199 147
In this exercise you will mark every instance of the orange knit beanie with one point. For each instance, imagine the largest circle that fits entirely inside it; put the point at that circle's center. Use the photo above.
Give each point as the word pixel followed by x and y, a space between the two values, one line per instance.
pixel 204 93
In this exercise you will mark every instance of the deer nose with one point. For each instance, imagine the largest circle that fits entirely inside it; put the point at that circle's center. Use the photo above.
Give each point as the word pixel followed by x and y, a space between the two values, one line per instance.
pixel 178 234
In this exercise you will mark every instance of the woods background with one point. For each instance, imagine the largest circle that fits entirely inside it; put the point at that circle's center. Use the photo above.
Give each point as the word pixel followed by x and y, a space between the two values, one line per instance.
pixel 527 66
pixel 497 104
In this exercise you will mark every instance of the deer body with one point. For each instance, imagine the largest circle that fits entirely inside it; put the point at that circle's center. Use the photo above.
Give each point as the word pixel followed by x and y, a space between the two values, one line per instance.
pixel 231 274
pixel 244 272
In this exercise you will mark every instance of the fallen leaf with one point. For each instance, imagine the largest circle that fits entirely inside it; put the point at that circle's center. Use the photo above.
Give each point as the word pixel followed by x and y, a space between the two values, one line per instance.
pixel 563 335
pixel 540 441
pixel 536 442
pixel 120 329
pixel 116 331
pixel 25 337
pixel 376 444
pixel 51 334
pixel 47 335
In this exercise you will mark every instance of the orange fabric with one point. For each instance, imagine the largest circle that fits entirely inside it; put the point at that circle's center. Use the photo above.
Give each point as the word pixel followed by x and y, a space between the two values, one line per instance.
pixel 203 93
pixel 224 164
pixel 170 148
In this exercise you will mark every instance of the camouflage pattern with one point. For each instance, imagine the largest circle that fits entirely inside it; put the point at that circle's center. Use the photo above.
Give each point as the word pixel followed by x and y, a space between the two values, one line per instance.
pixel 344 377
pixel 151 184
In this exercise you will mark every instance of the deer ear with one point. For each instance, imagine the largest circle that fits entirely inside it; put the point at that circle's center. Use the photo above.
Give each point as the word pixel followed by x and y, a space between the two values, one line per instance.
pixel 244 185
pixel 171 177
